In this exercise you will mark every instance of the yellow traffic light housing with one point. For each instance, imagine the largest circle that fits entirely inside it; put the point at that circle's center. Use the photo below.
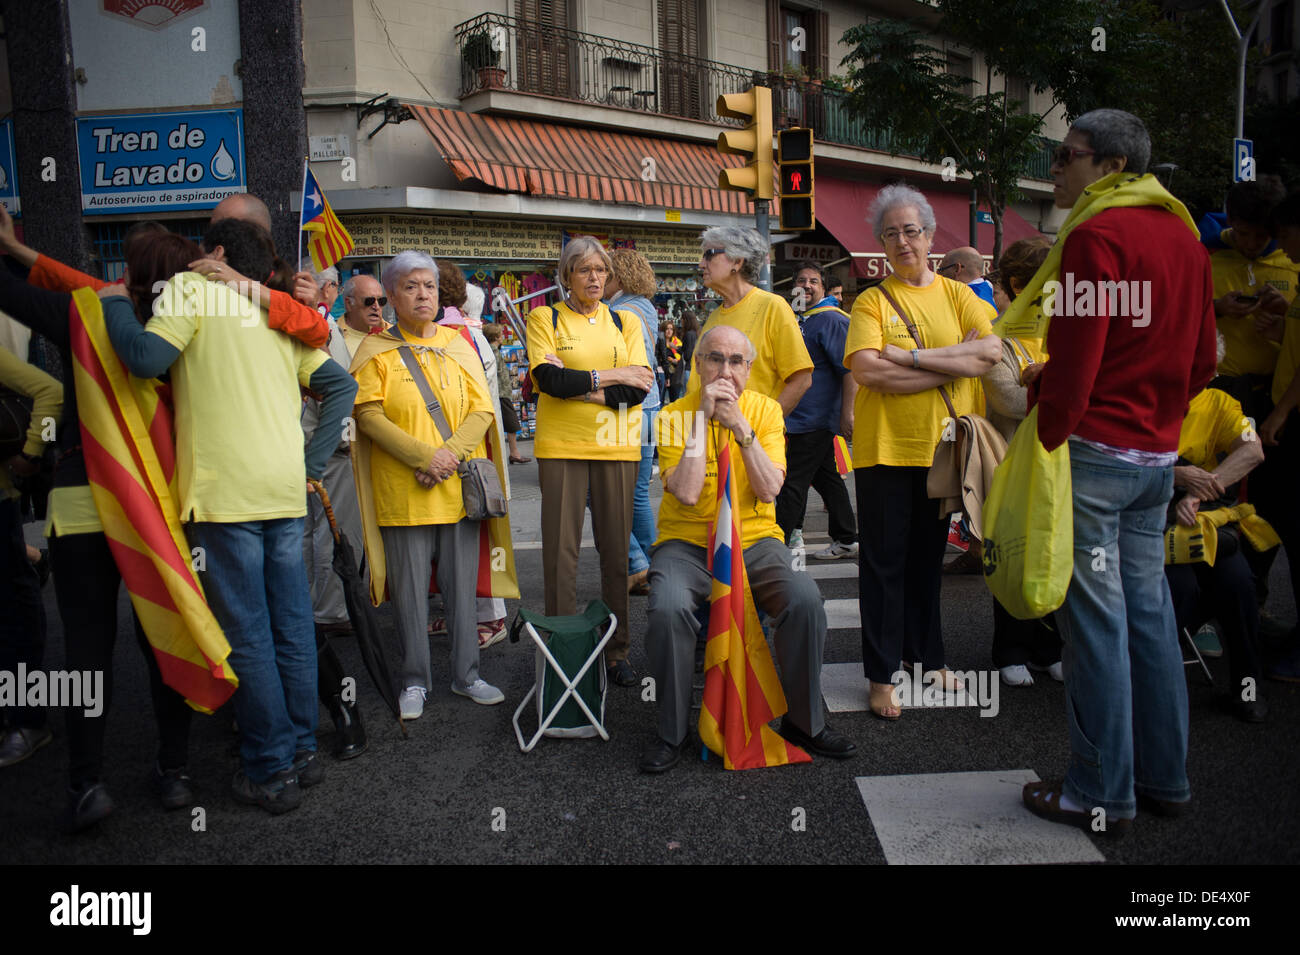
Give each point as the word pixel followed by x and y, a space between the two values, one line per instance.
pixel 754 141
pixel 795 154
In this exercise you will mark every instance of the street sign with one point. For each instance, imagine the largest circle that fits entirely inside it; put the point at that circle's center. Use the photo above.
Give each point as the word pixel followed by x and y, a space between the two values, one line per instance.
pixel 986 218
pixel 1243 160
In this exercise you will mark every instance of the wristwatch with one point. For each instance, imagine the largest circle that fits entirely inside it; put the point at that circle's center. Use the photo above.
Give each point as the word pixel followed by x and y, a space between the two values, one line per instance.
pixel 748 439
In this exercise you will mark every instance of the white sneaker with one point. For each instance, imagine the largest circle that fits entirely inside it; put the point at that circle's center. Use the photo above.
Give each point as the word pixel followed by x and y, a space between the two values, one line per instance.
pixel 1054 671
pixel 796 539
pixel 480 692
pixel 837 550
pixel 411 703
pixel 1017 675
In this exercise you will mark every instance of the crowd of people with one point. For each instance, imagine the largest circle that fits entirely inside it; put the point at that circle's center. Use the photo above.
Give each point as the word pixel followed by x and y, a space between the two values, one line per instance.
pixel 1169 463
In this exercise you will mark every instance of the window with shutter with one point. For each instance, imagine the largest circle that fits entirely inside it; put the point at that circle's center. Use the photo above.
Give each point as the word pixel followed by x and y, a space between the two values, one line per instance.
pixel 544 53
pixel 683 82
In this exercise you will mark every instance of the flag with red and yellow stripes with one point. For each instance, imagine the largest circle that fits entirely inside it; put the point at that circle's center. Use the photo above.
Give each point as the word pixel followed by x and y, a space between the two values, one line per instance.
pixel 843 459
pixel 327 240
pixel 126 437
pixel 742 693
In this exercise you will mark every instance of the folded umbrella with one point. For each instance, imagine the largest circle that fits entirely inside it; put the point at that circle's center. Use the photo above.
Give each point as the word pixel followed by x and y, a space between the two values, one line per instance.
pixel 365 621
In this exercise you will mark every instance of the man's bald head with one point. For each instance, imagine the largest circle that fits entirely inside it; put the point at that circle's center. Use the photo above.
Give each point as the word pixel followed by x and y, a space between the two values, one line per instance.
pixel 245 207
pixel 963 264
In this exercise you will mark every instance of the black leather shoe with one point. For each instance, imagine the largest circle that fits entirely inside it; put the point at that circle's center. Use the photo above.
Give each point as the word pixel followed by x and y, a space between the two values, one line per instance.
pixel 1162 807
pixel 309 769
pixel 620 672
pixel 174 787
pixel 826 743
pixel 350 740
pixel 659 757
pixel 86 807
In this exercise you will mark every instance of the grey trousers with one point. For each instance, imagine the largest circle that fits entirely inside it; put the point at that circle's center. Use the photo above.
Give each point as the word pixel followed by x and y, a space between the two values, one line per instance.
pixel 410 551
pixel 318 543
pixel 680 584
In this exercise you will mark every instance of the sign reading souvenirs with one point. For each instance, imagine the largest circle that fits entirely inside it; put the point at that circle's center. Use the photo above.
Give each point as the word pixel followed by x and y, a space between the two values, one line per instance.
pixel 502 240
pixel 157 162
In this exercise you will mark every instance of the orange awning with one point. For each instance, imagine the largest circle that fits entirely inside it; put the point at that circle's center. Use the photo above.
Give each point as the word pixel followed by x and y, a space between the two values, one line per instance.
pixel 568 162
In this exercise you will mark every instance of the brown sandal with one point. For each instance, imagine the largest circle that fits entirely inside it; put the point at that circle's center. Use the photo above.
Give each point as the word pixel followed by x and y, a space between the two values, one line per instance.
pixel 878 709
pixel 1043 799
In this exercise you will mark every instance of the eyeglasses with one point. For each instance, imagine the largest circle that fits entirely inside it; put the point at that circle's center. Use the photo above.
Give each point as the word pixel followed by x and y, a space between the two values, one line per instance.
pixel 710 253
pixel 372 299
pixel 911 233
pixel 716 359
pixel 950 267
pixel 1064 155
pixel 329 283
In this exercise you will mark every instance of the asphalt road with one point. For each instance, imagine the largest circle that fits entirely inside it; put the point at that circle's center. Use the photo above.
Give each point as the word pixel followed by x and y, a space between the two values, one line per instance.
pixel 435 797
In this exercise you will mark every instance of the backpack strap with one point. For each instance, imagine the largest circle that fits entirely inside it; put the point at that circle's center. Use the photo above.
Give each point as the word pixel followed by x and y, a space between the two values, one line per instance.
pixel 911 330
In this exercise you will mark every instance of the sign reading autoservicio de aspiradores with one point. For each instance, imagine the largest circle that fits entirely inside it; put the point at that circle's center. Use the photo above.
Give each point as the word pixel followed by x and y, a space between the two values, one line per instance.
pixel 159 162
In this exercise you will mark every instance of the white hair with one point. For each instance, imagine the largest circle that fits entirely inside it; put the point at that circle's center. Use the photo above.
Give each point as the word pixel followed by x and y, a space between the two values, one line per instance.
pixel 898 196
pixel 330 274
pixel 403 264
pixel 474 298
pixel 739 245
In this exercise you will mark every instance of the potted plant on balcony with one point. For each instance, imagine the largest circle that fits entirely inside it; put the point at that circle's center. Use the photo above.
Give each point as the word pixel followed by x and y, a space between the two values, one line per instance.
pixel 483 58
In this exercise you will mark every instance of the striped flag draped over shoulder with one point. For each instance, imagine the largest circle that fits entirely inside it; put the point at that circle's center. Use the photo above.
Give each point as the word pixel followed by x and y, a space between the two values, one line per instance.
pixel 741 690
pixel 327 240
pixel 126 437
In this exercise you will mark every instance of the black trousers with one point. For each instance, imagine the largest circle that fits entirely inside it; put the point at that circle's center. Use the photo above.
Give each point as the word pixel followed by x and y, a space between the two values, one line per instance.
pixel 810 460
pixel 22 612
pixel 900 566
pixel 1271 488
pixel 1021 642
pixel 1225 592
pixel 86 582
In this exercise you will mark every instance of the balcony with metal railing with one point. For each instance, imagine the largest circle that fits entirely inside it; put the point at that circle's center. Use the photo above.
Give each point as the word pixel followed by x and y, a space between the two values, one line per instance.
pixel 512 54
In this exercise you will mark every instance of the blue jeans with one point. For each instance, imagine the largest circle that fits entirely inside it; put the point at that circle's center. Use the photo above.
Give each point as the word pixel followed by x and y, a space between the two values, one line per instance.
pixel 643 515
pixel 256 584
pixel 1126 695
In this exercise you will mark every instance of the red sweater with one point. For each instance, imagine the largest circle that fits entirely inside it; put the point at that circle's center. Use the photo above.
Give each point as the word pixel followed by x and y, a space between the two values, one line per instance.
pixel 1124 376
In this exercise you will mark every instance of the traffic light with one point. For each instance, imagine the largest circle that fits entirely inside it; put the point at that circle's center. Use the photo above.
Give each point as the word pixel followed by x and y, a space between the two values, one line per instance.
pixel 754 141
pixel 795 154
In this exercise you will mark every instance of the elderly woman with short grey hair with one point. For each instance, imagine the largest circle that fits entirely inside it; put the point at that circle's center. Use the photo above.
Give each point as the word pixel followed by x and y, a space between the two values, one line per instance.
pixel 910 337
pixel 407 477
pixel 731 262
pixel 590 369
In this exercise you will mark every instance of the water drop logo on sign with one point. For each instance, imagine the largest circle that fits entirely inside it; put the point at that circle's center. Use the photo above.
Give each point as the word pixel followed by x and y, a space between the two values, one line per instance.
pixel 158 162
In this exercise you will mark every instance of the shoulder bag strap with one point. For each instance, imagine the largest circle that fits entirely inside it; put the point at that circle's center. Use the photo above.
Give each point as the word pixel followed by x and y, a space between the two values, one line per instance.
pixel 430 399
pixel 911 330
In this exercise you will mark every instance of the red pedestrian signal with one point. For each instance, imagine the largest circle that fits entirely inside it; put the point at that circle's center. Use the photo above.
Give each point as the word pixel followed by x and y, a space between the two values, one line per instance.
pixel 795 155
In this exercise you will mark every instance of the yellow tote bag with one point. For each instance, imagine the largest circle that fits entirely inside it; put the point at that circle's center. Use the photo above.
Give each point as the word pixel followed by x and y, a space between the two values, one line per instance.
pixel 1029 525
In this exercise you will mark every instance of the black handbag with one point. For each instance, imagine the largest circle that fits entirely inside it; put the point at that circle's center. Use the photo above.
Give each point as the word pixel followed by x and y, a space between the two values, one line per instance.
pixel 480 486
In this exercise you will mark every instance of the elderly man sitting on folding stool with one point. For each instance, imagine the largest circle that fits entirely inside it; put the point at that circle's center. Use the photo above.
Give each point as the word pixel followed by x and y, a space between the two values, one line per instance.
pixel 691 431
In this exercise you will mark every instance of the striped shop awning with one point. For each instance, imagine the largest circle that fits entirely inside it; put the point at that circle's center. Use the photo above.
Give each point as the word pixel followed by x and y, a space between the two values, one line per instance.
pixel 570 162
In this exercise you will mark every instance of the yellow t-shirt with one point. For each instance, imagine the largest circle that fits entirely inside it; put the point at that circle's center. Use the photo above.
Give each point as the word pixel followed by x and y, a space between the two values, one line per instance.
pixel 1247 352
pixel 400 501
pixel 351 337
pixel 1214 420
pixel 1288 359
pixel 902 430
pixel 691 524
pixel 769 323
pixel 239 449
pixel 570 427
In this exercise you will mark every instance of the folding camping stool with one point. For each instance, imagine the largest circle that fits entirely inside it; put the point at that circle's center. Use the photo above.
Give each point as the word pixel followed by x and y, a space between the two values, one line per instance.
pixel 564 683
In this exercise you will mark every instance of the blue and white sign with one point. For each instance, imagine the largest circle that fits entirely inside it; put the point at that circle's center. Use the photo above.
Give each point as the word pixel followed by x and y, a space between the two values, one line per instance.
pixel 160 162
pixel 985 218
pixel 1243 160
pixel 9 170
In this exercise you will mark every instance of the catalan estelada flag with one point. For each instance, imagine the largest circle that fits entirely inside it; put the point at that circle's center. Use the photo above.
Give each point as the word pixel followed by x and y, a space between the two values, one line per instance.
pixel 843 460
pixel 741 690
pixel 126 437
pixel 327 240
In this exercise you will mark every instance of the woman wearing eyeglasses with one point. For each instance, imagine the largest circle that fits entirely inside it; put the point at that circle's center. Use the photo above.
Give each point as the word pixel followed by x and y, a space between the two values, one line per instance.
pixel 899 418
pixel 730 262
pixel 590 370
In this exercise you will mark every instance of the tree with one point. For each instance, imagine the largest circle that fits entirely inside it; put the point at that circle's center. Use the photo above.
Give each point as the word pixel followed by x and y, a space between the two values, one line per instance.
pixel 1175 69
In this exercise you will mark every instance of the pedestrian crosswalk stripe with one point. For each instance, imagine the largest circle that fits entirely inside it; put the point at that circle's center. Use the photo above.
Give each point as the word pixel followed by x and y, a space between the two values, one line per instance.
pixel 830 570
pixel 846 690
pixel 966 818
